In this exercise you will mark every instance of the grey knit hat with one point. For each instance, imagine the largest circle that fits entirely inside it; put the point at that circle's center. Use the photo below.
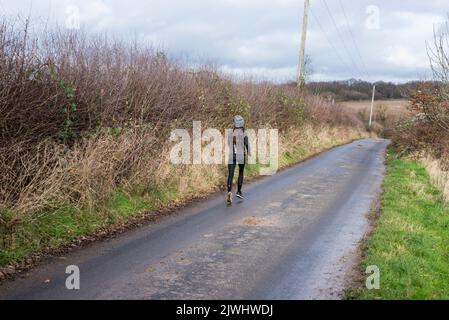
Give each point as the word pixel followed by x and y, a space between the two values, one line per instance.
pixel 239 122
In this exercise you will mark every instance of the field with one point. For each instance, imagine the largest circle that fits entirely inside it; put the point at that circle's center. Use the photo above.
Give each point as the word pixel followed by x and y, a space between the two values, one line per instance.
pixel 385 111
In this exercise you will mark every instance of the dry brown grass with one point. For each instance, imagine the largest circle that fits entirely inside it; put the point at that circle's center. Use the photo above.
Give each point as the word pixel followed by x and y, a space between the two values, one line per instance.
pixel 438 176
pixel 391 109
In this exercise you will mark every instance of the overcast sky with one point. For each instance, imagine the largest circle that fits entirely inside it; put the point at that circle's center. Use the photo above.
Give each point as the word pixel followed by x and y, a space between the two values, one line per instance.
pixel 261 37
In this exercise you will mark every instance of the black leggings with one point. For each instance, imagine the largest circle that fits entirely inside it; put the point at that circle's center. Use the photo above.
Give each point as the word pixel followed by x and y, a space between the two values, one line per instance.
pixel 231 168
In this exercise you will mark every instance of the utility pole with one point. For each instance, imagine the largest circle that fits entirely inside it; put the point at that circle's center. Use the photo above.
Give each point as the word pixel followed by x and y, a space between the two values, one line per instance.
pixel 302 58
pixel 372 107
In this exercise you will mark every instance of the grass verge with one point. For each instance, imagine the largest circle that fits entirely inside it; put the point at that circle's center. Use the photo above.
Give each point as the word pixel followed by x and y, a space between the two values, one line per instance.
pixel 410 243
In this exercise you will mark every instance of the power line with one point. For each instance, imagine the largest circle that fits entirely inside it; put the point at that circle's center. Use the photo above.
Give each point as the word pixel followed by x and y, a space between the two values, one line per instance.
pixel 353 40
pixel 342 40
pixel 361 60
pixel 328 39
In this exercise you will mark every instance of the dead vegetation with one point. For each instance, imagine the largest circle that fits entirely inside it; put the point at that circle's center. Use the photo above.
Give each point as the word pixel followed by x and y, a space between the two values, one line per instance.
pixel 386 113
pixel 438 176
pixel 426 135
pixel 84 116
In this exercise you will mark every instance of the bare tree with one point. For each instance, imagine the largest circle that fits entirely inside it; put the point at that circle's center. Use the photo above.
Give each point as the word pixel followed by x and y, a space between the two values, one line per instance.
pixel 438 54
pixel 437 107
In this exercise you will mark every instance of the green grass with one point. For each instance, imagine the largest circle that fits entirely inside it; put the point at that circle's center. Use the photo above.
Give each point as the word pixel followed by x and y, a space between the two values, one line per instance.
pixel 63 225
pixel 410 244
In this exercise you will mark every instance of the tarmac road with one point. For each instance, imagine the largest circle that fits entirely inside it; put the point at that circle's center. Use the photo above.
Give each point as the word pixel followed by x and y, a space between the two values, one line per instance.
pixel 295 236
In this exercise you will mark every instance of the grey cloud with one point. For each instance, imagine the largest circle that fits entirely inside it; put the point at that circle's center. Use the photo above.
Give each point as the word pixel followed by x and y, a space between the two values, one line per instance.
pixel 261 37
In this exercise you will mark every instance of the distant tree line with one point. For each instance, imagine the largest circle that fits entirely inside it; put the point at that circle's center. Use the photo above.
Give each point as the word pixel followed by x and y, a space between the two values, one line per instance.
pixel 362 90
